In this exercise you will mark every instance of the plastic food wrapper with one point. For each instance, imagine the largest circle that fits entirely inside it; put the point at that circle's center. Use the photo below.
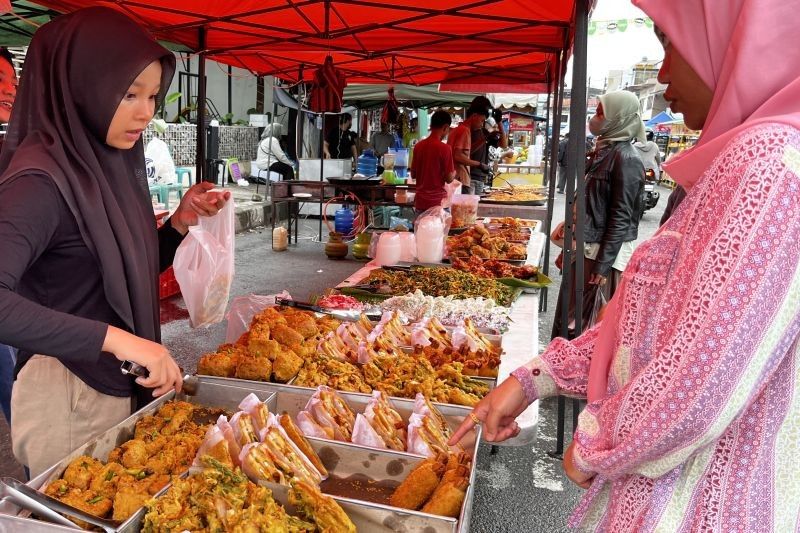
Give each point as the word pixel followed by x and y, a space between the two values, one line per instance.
pixel 227 431
pixel 263 457
pixel 215 445
pixel 204 267
pixel 417 444
pixel 243 429
pixel 315 408
pixel 380 426
pixel 460 338
pixel 257 410
pixel 311 428
pixel 452 188
pixel 244 308
pixel 364 434
pixel 439 212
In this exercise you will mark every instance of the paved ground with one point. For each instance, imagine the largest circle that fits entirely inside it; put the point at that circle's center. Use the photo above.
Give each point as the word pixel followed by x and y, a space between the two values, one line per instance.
pixel 519 489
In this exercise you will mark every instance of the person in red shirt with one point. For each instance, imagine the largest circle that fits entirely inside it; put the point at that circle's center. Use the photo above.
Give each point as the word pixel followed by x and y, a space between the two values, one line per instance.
pixel 460 141
pixel 432 165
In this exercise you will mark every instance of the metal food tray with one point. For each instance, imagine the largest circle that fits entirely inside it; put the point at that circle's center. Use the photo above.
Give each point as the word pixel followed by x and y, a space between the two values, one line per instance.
pixel 209 394
pixel 343 460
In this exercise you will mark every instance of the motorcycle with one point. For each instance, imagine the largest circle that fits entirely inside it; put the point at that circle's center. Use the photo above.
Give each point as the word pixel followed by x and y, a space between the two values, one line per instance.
pixel 651 195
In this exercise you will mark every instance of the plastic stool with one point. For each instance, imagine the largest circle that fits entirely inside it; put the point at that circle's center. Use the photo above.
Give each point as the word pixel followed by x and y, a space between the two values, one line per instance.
pixel 162 195
pixel 181 172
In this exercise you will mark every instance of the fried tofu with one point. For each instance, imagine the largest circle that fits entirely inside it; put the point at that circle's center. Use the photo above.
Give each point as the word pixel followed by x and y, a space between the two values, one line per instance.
pixel 81 470
pixel 217 364
pixel 286 335
pixel 286 366
pixel 256 368
pixel 134 454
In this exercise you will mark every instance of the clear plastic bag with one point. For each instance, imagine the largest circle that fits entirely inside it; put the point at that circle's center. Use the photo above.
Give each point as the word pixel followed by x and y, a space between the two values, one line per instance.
pixel 431 229
pixel 244 308
pixel 204 267
pixel 597 308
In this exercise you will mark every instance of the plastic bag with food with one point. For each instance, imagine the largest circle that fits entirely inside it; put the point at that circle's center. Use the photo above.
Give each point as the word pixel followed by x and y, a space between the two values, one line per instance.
pixel 204 267
pixel 464 209
pixel 244 308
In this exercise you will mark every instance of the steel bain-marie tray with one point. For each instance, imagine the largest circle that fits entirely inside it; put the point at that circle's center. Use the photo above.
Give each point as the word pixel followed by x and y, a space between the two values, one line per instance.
pixel 345 461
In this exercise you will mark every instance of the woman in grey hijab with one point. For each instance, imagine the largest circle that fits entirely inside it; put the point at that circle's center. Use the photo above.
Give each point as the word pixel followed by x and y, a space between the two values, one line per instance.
pixel 270 154
pixel 614 190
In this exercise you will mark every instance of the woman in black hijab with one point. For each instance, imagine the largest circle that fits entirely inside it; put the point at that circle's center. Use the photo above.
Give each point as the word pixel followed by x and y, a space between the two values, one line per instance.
pixel 79 272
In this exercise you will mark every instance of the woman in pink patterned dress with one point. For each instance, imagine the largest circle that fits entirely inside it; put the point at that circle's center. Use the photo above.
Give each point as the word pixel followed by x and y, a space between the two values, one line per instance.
pixel 693 376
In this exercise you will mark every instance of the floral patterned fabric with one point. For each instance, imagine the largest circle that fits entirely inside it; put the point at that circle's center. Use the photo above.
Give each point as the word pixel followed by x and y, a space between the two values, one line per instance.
pixel 700 427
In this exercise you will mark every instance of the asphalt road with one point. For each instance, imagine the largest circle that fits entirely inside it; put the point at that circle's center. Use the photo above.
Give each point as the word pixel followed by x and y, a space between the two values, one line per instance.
pixel 518 489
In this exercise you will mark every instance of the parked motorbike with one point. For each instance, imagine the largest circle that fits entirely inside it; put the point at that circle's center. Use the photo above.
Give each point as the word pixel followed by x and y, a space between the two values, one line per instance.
pixel 651 195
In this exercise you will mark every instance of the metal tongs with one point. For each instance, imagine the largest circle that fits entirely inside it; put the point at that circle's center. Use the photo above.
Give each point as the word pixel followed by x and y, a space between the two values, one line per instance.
pixel 348 316
pixel 49 508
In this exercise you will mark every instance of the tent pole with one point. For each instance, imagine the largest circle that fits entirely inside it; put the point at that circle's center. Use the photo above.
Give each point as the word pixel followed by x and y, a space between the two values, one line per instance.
pixel 322 169
pixel 552 160
pixel 300 120
pixel 576 163
pixel 201 106
pixel 578 123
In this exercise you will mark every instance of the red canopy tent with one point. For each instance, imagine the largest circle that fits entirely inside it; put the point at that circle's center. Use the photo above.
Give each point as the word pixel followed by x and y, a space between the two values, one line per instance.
pixel 512 42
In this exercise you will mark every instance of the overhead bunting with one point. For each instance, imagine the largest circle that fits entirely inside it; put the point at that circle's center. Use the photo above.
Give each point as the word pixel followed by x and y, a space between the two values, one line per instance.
pixel 602 27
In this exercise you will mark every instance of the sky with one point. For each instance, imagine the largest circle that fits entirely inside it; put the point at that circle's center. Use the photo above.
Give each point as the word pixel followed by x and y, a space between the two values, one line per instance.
pixel 618 50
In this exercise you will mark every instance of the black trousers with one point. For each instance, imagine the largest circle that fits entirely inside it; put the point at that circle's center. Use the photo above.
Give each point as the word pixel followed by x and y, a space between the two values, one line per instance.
pixel 286 171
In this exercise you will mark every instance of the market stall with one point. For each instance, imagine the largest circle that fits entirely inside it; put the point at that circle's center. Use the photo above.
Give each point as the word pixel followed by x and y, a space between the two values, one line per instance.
pixel 285 359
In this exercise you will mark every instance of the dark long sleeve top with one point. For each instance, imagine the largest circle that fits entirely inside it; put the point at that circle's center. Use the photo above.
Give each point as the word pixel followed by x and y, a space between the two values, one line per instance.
pixel 52 299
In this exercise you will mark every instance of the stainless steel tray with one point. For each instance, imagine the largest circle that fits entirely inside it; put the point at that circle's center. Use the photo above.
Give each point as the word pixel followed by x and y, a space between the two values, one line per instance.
pixel 210 394
pixel 343 460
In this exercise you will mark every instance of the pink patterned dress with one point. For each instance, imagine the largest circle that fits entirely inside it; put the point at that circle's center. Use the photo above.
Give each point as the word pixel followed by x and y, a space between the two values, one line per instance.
pixel 700 429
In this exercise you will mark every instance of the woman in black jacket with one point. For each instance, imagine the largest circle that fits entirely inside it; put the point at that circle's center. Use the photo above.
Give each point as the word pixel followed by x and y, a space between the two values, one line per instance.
pixel 614 189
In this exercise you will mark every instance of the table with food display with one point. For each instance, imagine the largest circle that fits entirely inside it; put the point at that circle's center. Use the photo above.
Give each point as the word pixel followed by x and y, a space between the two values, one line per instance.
pixel 332 416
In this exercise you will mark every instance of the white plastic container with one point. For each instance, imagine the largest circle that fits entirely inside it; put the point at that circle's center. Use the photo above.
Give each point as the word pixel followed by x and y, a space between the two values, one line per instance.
pixel 408 247
pixel 430 240
pixel 389 249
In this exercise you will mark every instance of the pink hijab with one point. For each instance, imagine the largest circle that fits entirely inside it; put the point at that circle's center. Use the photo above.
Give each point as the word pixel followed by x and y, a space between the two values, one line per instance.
pixel 745 51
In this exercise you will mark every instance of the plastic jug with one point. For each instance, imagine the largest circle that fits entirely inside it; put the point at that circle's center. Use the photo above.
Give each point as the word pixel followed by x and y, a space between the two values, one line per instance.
pixel 367 163
pixel 408 247
pixel 400 162
pixel 430 240
pixel 389 249
pixel 343 220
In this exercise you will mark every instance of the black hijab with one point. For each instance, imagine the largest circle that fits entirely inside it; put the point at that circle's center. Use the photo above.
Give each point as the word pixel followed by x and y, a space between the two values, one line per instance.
pixel 77 70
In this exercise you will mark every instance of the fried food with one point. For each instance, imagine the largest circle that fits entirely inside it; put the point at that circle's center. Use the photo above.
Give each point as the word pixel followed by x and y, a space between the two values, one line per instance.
pixel 273 349
pixel 299 440
pixel 337 374
pixel 448 498
pixel 286 366
pixel 219 498
pixel 495 269
pixel 319 508
pixel 420 484
pixel 164 445
pixel 80 472
pixel 439 282
pixel 481 243
pixel 387 422
pixel 287 458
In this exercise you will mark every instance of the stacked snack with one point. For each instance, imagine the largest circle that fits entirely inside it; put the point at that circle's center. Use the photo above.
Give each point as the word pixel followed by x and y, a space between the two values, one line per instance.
pixel 163 447
pixel 273 349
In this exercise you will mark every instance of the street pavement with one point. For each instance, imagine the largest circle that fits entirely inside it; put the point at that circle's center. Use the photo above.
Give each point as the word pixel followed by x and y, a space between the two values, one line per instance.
pixel 518 489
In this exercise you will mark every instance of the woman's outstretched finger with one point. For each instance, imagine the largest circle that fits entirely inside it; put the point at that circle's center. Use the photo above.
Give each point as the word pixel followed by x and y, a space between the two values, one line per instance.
pixel 468 424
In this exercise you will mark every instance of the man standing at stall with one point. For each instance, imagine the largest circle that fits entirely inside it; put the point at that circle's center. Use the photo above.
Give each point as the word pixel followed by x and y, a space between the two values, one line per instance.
pixel 432 166
pixel 341 142
pixel 460 141
pixel 491 135
pixel 382 140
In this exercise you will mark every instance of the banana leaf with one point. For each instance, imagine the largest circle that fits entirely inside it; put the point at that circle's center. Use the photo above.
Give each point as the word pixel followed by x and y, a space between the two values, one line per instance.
pixel 540 281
